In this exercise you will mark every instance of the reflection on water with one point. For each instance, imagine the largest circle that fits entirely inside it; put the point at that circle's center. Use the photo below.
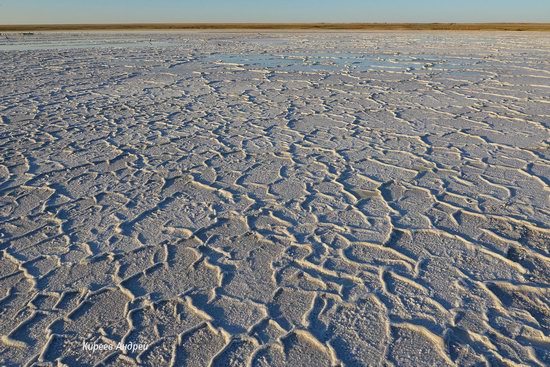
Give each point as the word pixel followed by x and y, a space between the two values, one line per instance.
pixel 322 62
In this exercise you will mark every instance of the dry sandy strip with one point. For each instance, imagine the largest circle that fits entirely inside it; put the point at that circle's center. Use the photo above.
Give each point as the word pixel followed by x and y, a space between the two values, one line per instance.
pixel 275 199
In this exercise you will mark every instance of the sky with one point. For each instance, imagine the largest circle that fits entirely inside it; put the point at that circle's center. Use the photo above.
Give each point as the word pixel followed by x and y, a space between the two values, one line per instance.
pixel 211 11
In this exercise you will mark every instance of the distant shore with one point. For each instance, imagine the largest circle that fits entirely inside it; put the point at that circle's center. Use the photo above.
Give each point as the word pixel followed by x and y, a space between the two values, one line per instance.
pixel 281 26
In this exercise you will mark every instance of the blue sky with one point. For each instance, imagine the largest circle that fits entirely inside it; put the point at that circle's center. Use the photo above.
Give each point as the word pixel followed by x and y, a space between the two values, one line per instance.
pixel 127 11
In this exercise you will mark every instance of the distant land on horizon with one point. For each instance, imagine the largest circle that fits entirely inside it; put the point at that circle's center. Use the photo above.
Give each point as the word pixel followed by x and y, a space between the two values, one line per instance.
pixel 281 26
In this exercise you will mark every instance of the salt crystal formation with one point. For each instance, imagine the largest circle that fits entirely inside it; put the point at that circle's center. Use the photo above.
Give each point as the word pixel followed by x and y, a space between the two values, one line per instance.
pixel 292 199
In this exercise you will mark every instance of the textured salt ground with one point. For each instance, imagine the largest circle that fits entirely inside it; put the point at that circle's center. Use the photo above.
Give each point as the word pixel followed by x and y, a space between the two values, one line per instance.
pixel 275 199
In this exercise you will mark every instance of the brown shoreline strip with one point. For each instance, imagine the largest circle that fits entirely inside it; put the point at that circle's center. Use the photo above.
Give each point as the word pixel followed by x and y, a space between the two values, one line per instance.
pixel 281 26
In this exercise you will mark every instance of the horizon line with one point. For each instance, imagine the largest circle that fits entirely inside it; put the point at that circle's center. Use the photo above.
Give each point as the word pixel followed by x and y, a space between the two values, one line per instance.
pixel 458 26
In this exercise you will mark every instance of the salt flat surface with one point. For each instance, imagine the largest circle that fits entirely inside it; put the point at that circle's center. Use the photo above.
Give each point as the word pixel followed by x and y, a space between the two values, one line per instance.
pixel 298 199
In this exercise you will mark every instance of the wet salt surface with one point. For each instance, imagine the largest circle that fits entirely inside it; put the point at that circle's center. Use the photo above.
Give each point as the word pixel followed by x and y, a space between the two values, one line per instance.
pixel 48 41
pixel 275 199
pixel 352 63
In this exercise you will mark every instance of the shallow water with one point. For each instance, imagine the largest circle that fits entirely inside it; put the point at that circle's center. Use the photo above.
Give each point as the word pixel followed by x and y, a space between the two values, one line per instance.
pixel 351 62
pixel 11 42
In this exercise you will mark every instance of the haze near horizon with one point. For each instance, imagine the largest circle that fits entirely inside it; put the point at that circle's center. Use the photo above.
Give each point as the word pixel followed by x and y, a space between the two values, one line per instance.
pixel 284 11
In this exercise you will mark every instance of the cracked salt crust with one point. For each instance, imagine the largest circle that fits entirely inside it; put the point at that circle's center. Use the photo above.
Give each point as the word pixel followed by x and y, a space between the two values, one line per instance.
pixel 275 199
